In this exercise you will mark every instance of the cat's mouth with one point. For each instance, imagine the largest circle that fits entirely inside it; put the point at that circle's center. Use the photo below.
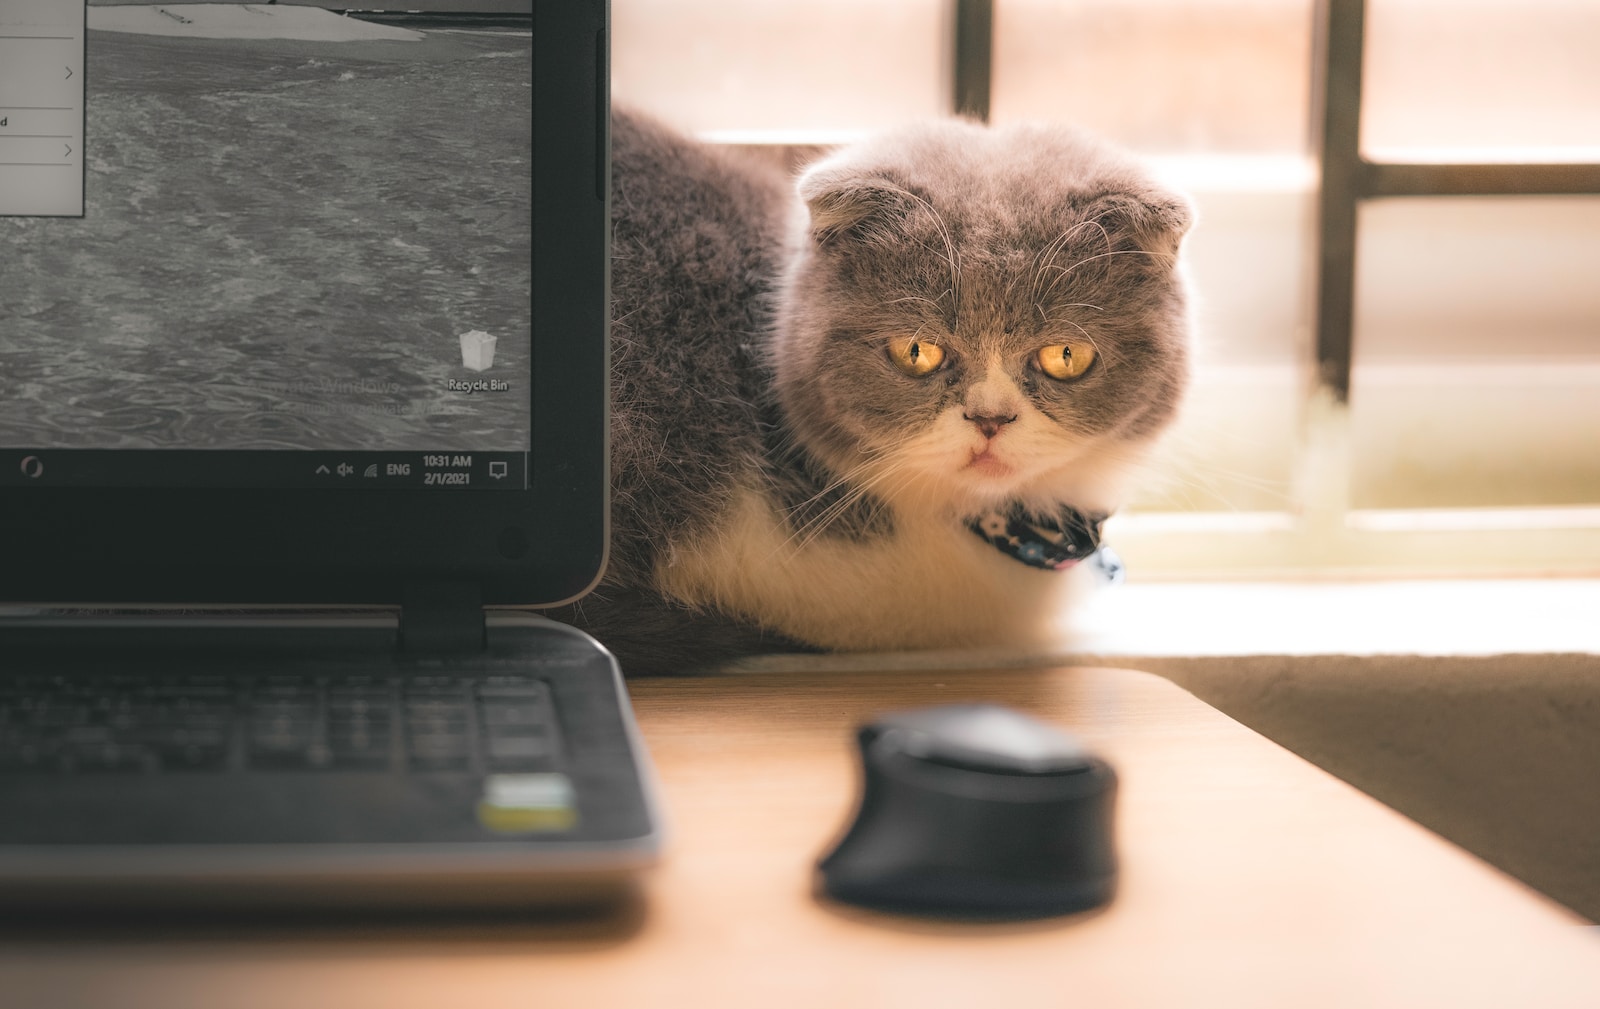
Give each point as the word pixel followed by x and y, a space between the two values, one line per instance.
pixel 986 463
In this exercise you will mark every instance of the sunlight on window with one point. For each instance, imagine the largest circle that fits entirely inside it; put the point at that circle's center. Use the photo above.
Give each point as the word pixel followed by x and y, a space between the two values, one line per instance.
pixel 1222 75
pixel 1476 374
pixel 1482 80
pixel 781 65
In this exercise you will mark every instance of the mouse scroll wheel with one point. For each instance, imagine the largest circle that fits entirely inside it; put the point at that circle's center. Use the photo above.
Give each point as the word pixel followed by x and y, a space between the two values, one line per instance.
pixel 987 739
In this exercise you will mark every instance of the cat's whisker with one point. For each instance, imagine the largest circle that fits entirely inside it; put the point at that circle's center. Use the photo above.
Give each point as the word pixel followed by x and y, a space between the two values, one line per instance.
pixel 803 536
pixel 1047 255
pixel 1208 490
pixel 1185 462
pixel 916 298
pixel 1110 357
pixel 1044 255
pixel 817 524
pixel 952 254
pixel 893 481
pixel 866 477
pixel 1085 333
pixel 848 476
pixel 1192 481
pixel 842 481
pixel 1063 271
pixel 1055 245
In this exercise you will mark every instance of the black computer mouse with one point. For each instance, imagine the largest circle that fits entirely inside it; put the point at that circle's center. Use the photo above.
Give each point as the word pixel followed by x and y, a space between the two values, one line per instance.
pixel 976 810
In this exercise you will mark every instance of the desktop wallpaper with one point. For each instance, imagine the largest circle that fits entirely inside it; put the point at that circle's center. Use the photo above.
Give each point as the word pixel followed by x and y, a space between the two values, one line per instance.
pixel 302 231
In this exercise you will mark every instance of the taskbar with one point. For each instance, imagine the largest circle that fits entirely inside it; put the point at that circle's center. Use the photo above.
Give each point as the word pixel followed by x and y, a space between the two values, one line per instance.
pixel 264 470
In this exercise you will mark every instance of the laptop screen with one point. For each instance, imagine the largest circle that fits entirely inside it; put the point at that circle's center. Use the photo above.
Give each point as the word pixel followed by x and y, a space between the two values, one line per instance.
pixel 265 245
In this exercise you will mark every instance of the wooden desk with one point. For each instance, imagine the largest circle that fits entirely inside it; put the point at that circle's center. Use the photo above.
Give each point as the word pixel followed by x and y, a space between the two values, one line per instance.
pixel 1250 878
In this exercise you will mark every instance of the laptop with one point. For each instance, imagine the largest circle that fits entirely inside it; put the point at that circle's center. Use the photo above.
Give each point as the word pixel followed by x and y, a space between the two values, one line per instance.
pixel 303 401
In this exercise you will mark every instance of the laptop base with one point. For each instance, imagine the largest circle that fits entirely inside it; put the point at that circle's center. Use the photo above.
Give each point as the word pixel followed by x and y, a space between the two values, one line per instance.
pixel 285 761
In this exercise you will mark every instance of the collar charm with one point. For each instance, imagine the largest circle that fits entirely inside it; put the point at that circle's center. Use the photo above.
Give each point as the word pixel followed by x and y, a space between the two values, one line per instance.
pixel 1053 542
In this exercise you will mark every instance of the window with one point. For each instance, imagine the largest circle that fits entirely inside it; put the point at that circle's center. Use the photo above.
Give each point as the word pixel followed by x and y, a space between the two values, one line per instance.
pixel 1469 440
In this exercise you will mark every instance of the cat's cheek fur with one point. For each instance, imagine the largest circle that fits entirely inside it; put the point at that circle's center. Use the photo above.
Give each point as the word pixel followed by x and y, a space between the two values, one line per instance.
pixel 928 584
pixel 1044 467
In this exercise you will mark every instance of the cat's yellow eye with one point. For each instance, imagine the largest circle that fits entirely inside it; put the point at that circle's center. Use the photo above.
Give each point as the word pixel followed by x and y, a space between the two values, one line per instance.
pixel 916 357
pixel 1065 360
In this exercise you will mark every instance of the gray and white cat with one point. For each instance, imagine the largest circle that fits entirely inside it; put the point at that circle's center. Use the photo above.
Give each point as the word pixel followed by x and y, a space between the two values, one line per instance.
pixel 827 394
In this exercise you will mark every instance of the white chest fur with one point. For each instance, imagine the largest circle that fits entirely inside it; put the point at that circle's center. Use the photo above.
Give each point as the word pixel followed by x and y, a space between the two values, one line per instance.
pixel 930 584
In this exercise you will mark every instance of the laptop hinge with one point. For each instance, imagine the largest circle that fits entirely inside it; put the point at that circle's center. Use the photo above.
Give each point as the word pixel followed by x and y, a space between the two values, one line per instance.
pixel 442 617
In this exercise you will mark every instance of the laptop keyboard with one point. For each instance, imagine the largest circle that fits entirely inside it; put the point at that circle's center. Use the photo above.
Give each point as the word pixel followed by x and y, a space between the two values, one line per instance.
pixel 374 723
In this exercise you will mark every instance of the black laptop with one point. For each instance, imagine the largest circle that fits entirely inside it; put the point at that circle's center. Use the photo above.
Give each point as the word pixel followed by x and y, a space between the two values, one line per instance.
pixel 302 386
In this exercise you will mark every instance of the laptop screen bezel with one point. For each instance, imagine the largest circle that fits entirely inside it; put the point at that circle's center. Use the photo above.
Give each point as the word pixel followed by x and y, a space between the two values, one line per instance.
pixel 541 546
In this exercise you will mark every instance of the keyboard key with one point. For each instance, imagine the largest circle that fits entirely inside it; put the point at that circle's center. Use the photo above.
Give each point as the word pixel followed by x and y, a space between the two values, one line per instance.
pixel 514 715
pixel 109 757
pixel 520 752
pixel 360 728
pixel 359 682
pixel 434 685
pixel 347 700
pixel 519 724
pixel 282 732
pixel 179 756
pixel 203 722
pixel 216 690
pixel 449 707
pixel 439 752
pixel 513 686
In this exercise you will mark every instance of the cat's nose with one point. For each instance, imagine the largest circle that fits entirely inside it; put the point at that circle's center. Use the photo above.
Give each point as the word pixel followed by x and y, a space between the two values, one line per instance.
pixel 989 424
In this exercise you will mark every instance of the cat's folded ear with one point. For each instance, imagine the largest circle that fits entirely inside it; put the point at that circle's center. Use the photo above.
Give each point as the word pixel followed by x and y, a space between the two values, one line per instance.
pixel 847 204
pixel 1152 220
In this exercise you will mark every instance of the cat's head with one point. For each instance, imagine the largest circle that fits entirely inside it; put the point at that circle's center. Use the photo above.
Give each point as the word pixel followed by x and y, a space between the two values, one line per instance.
pixel 981 316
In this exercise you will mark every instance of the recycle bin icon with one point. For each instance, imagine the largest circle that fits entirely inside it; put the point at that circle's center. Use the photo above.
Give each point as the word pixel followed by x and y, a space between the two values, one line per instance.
pixel 477 350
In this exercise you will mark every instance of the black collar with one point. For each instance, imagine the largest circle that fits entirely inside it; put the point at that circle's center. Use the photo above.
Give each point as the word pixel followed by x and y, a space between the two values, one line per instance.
pixel 1053 542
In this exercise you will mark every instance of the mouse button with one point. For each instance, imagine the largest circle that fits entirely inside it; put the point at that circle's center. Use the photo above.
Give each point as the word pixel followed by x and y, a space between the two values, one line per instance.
pixel 987 738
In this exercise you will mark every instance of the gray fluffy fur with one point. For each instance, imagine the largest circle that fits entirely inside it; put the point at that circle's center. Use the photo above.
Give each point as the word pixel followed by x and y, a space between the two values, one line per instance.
pixel 750 316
